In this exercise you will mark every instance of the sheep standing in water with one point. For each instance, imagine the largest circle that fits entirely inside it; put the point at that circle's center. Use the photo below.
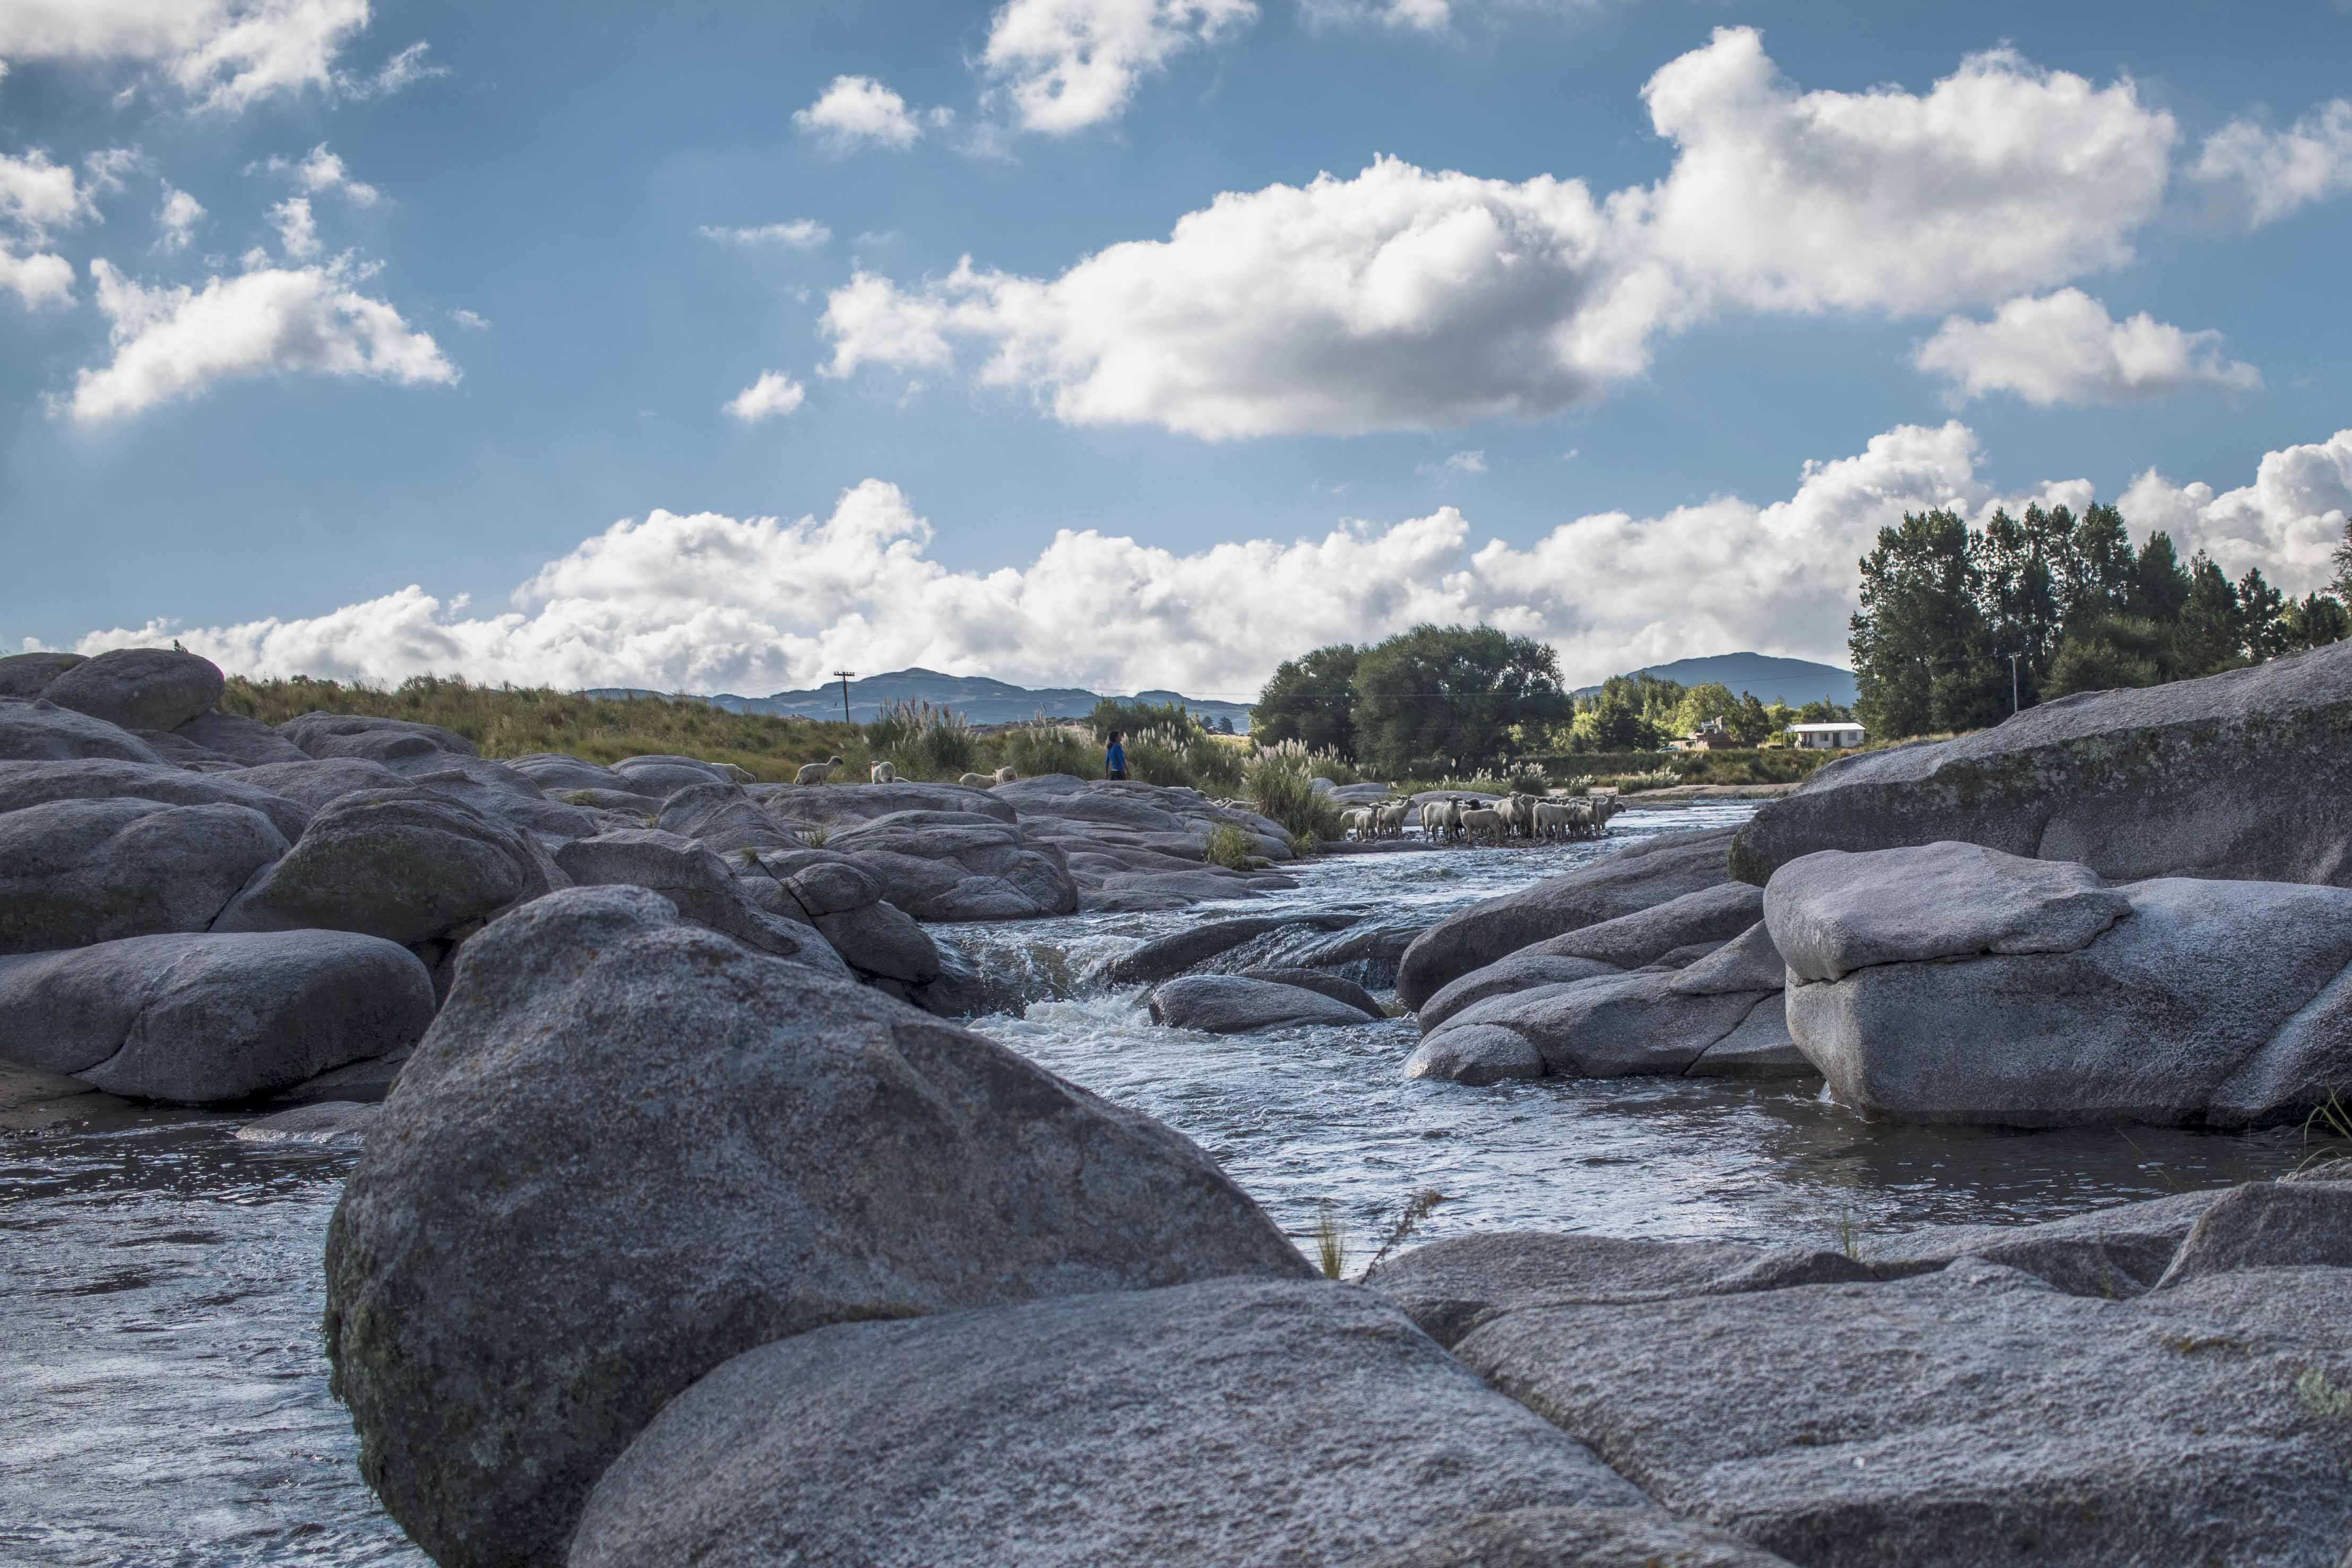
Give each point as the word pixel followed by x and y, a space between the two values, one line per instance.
pixel 1438 819
pixel 817 773
pixel 1388 821
pixel 1356 824
pixel 1483 822
pixel 882 772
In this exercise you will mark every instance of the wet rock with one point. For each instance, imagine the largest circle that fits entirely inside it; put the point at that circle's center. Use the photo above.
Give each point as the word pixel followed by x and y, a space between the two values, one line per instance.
pixel 630 1149
pixel 1164 958
pixel 1577 1538
pixel 2221 1002
pixel 958 866
pixel 203 1018
pixel 1707 917
pixel 1637 878
pixel 247 741
pixel 1365 951
pixel 406 865
pixel 139 688
pixel 1475 1054
pixel 338 1122
pixel 73 872
pixel 1612 1026
pixel 1235 1422
pixel 1761 1047
pixel 2134 784
pixel 1520 972
pixel 40 731
pixel 695 881
pixel 21 675
pixel 1457 1285
pixel 397 743
pixel 1230 1004
pixel 1970 1417
pixel 1330 985
pixel 2267 1225
pixel 1207 884
pixel 101 778
pixel 366 1081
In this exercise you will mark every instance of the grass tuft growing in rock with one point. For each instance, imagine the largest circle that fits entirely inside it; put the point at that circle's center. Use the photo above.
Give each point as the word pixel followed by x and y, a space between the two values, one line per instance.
pixel 1280 781
pixel 1331 1241
pixel 1231 847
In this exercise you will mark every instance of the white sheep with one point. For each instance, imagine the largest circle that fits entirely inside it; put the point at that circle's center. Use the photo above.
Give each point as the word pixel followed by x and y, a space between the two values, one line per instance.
pixel 817 773
pixel 975 781
pixel 1483 822
pixel 1006 775
pixel 882 772
pixel 1389 820
pixel 1440 819
pixel 1357 822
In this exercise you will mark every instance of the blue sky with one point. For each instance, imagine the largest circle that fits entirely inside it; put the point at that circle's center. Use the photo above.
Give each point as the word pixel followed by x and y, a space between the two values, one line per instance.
pixel 427 364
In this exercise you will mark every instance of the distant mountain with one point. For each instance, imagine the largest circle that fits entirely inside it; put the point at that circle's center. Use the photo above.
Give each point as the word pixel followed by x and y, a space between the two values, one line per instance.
pixel 1795 681
pixel 980 700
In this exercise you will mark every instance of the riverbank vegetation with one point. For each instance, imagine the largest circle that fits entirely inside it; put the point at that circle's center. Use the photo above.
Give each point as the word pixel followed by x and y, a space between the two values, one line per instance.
pixel 1959 627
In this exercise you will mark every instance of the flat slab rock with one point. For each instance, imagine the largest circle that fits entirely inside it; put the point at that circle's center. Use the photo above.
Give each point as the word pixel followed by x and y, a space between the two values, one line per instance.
pixel 1972 1416
pixel 1234 1421
pixel 1231 1005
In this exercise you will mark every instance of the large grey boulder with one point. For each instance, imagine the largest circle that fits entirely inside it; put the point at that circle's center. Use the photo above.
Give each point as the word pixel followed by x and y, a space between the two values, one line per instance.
pixel 41 731
pixel 2267 1225
pixel 1715 914
pixel 722 817
pixel 1457 1285
pixel 200 1019
pixel 697 882
pixel 139 688
pixel 103 778
pixel 1577 1538
pixel 1637 877
pixel 961 865
pixel 559 774
pixel 846 805
pixel 182 753
pixel 315 783
pixel 23 675
pixel 630 1149
pixel 1230 1004
pixel 247 741
pixel 1521 972
pixel 1332 985
pixel 2219 1002
pixel 73 872
pixel 2136 783
pixel 663 776
pixel 1647 1023
pixel 1968 1417
pixel 883 940
pixel 2113 1252
pixel 398 744
pixel 406 865
pixel 1242 1422
pixel 1164 958
pixel 552 822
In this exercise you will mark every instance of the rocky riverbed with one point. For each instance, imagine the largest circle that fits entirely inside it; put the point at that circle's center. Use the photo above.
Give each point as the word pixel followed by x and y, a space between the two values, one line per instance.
pixel 926 1174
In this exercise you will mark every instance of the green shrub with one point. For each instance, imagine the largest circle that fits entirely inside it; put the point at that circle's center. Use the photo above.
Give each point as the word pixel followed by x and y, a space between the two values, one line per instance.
pixel 1046 747
pixel 1280 782
pixel 1231 847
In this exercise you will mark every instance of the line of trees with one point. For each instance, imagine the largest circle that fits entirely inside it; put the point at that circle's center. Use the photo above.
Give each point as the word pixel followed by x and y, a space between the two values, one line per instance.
pixel 1455 697
pixel 1957 624
pixel 1641 712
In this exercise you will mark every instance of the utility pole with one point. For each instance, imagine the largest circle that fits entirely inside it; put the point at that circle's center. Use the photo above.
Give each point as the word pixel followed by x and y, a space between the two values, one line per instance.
pixel 844 675
pixel 2012 686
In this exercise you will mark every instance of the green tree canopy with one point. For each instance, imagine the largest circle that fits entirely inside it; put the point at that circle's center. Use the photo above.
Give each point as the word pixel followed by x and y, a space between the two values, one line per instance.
pixel 1311 699
pixel 1453 693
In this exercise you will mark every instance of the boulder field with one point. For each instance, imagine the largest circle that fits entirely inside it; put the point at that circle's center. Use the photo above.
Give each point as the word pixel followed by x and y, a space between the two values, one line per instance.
pixel 132 810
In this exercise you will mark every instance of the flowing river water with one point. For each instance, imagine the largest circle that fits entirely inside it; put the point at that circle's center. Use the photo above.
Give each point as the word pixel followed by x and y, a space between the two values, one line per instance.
pixel 163 1393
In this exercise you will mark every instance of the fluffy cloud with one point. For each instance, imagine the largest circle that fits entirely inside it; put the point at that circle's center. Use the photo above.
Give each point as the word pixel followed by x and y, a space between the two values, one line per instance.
pixel 176 219
pixel 709 603
pixel 799 234
pixel 227 54
pixel 36 279
pixel 320 171
pixel 2064 347
pixel 173 342
pixel 772 396
pixel 298 232
pixel 2253 177
pixel 857 110
pixel 2286 523
pixel 1424 15
pixel 1062 66
pixel 1407 299
pixel 38 194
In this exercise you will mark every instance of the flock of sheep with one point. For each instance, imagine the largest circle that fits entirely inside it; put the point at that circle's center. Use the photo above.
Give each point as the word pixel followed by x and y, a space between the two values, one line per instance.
pixel 885 772
pixel 1454 819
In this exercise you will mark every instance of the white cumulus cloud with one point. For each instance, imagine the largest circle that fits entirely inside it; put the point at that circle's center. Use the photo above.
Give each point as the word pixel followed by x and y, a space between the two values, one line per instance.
pixel 857 110
pixel 224 53
pixel 38 195
pixel 711 603
pixel 799 234
pixel 320 170
pixel 1409 298
pixel 2253 177
pixel 173 342
pixel 176 219
pixel 36 279
pixel 298 231
pixel 2286 523
pixel 2064 347
pixel 1061 66
pixel 772 396
pixel 1432 17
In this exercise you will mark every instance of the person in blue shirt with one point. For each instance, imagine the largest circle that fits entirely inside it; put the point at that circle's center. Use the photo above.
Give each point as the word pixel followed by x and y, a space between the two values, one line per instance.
pixel 1115 759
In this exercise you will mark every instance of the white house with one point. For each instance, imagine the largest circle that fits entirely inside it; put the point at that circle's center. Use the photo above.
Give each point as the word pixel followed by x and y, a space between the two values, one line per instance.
pixel 1821 737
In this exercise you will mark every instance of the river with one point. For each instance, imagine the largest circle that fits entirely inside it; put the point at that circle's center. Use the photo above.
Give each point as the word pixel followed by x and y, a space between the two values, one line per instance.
pixel 163 1394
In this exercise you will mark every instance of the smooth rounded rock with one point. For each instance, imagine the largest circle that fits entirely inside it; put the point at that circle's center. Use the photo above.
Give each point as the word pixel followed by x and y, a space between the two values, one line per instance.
pixel 630 1149
pixel 387 740
pixel 247 741
pixel 103 778
pixel 41 731
pixel 73 872
pixel 1519 972
pixel 1230 1004
pixel 21 675
pixel 139 688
